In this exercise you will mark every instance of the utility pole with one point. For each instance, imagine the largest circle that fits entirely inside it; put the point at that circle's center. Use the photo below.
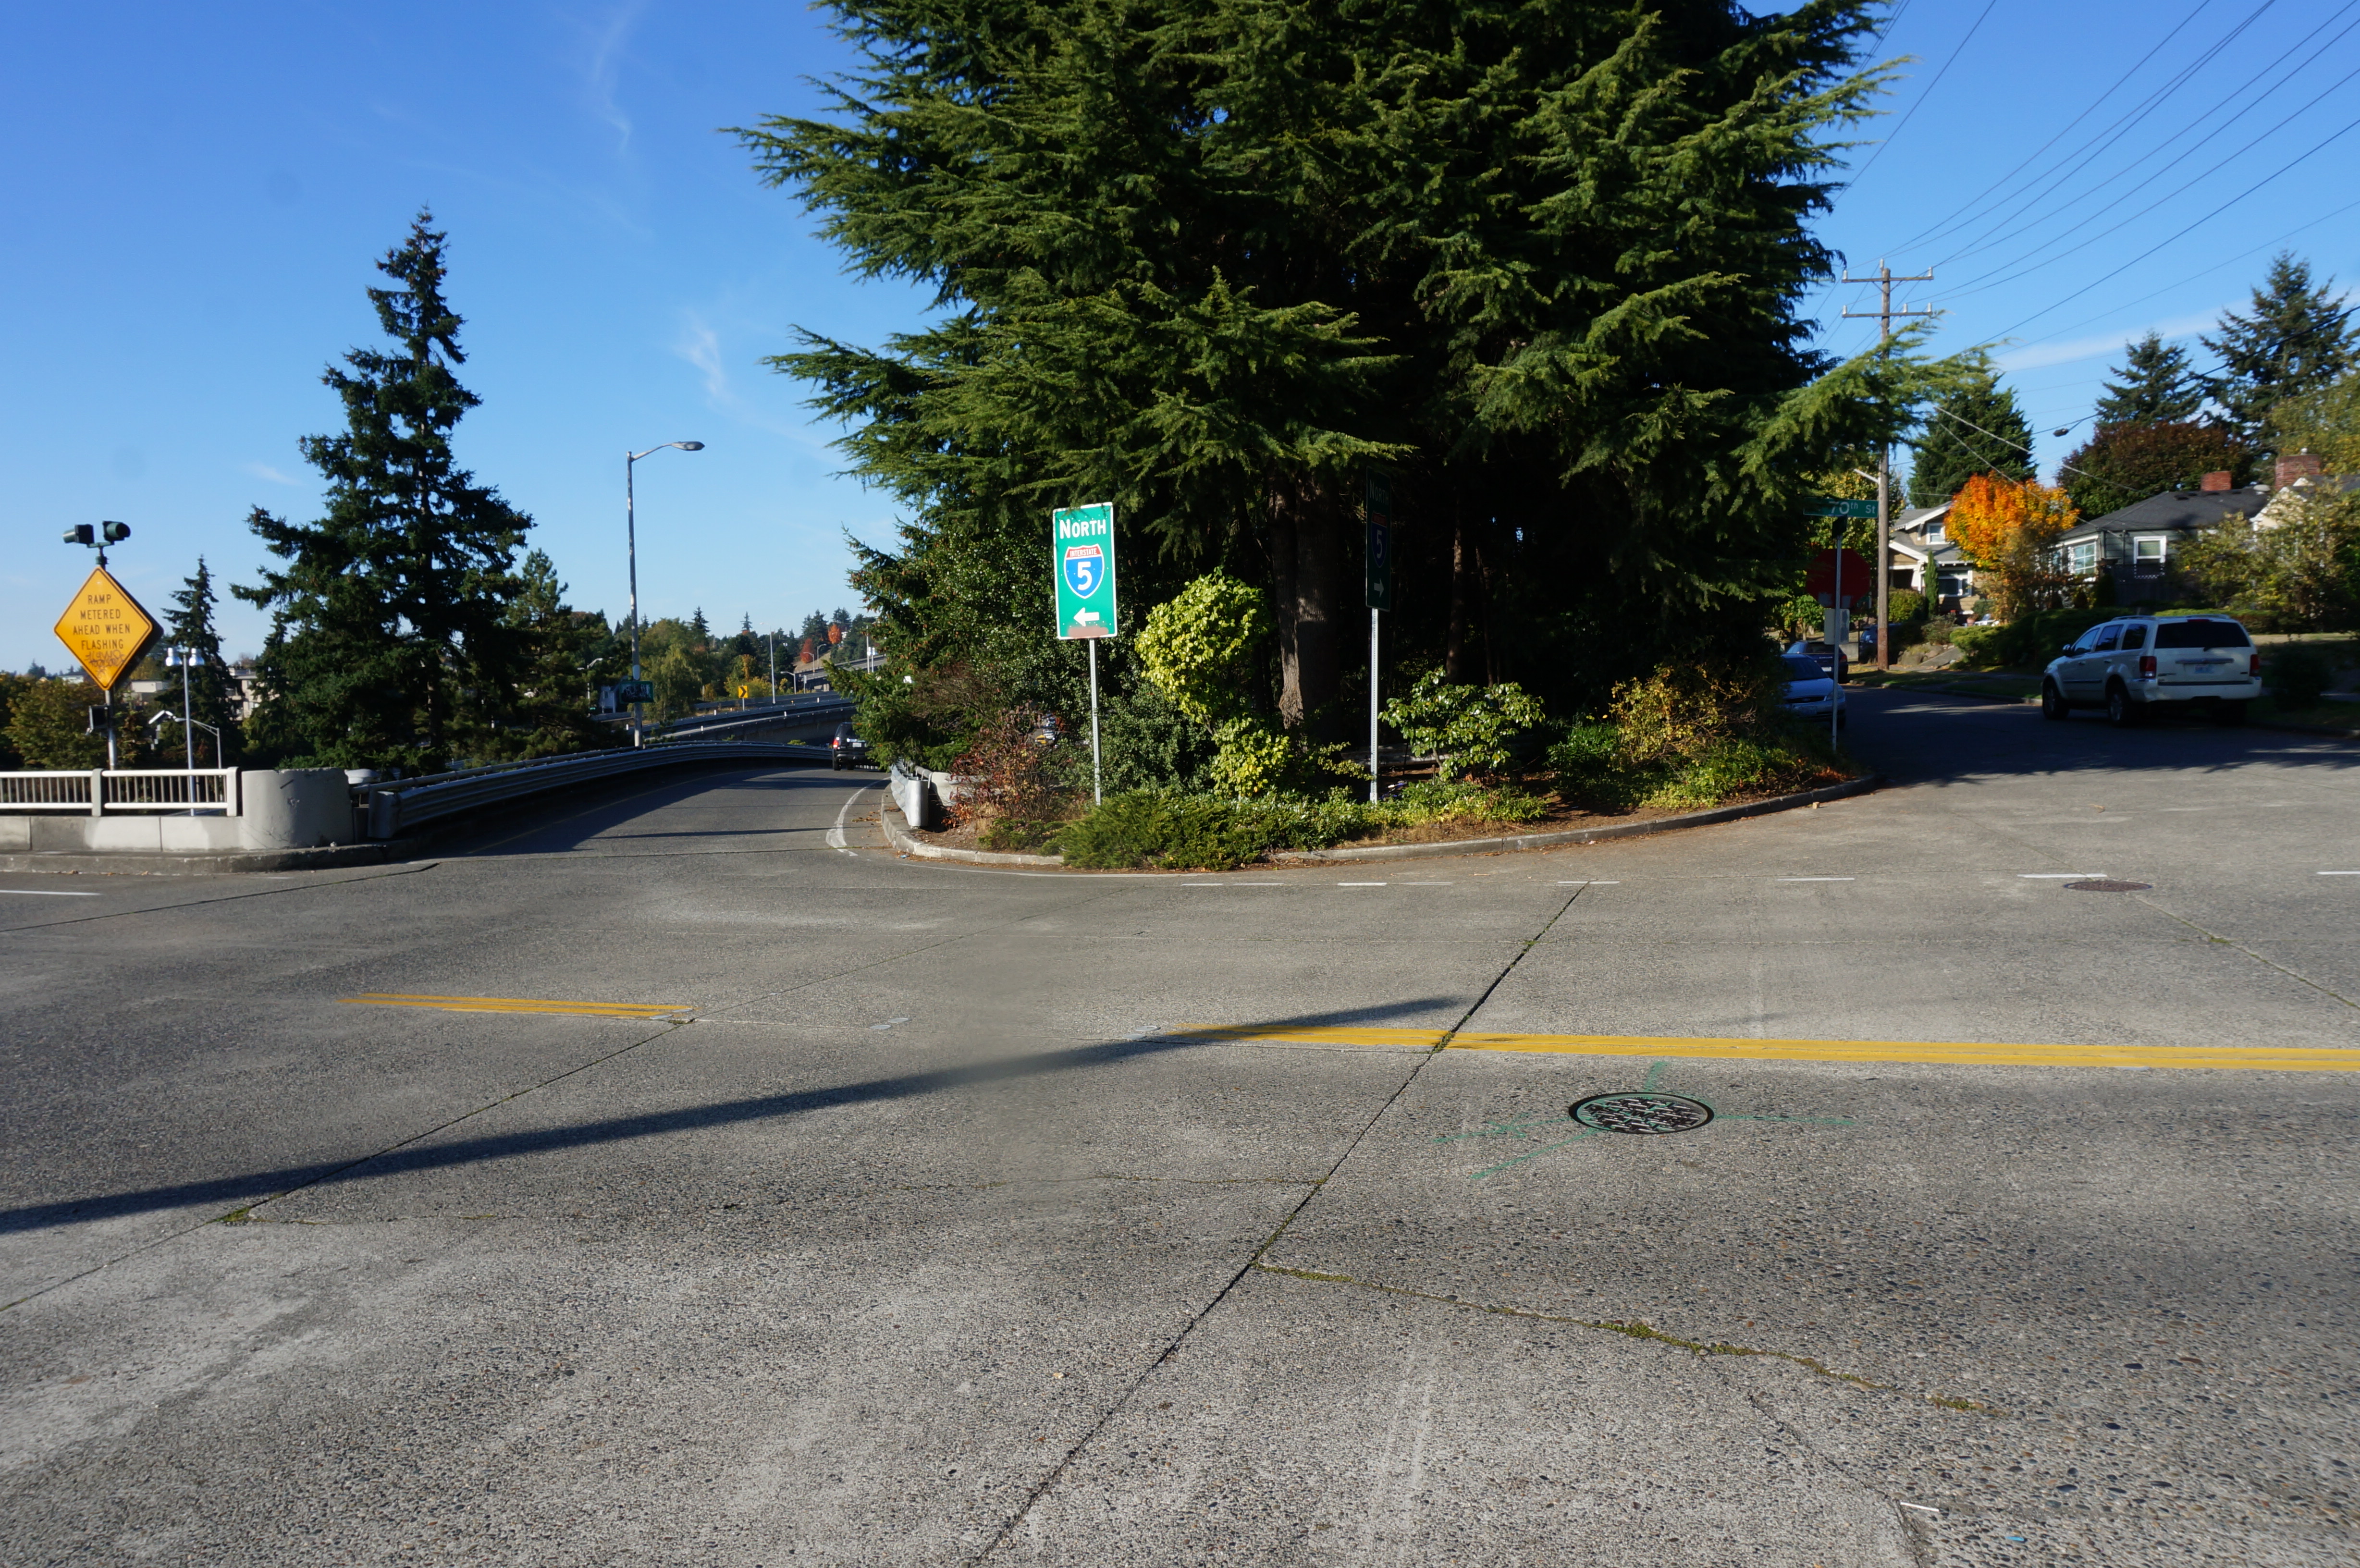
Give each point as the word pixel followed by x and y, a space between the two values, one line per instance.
pixel 1884 315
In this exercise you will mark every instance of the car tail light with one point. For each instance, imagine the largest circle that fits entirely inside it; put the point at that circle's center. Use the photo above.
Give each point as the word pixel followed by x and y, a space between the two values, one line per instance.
pixel 2254 665
pixel 2147 666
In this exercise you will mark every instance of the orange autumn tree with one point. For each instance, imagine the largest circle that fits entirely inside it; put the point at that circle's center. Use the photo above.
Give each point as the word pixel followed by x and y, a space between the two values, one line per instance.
pixel 2009 532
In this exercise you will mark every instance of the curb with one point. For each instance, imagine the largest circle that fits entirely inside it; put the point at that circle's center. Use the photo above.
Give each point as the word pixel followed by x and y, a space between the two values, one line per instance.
pixel 1965 691
pixel 1591 835
pixel 901 840
pixel 896 832
pixel 331 857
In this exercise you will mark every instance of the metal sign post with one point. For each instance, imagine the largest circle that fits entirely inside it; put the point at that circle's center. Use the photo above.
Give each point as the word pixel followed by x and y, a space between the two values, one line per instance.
pixel 1378 507
pixel 1081 563
pixel 1837 511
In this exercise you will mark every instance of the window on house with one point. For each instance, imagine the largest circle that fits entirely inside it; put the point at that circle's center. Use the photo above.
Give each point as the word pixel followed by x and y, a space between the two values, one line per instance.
pixel 2147 556
pixel 2081 556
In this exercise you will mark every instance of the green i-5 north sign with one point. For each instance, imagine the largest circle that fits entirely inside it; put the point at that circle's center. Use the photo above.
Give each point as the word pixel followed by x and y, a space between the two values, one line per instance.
pixel 1081 557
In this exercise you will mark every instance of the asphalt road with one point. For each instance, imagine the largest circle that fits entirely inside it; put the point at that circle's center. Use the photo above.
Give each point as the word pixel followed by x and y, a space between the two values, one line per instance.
pixel 941 1214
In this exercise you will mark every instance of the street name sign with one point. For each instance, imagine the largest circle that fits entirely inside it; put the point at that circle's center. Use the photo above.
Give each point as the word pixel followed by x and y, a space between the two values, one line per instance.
pixel 105 629
pixel 1829 507
pixel 1081 557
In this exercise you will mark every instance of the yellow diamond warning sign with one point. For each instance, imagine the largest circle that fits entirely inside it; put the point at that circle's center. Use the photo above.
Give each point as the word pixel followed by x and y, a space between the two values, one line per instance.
pixel 106 629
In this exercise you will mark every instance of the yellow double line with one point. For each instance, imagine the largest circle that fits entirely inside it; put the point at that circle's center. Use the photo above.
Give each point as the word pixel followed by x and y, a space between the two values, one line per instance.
pixel 1967 1053
pixel 525 1005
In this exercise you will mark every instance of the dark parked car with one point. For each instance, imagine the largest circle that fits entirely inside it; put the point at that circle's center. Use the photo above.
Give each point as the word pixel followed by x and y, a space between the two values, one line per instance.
pixel 846 750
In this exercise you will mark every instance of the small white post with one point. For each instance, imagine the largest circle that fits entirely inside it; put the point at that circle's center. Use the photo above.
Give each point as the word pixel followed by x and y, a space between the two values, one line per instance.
pixel 1097 792
pixel 1372 705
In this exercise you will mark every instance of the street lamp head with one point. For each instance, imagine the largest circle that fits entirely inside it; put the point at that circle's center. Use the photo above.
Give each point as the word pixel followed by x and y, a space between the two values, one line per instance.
pixel 690 446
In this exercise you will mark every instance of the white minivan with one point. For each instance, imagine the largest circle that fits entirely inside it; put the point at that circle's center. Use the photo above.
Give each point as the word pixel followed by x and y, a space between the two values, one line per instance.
pixel 2135 667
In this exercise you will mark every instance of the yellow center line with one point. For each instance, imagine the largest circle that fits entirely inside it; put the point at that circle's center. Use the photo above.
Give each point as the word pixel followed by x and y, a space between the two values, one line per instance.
pixel 1927 1053
pixel 524 1004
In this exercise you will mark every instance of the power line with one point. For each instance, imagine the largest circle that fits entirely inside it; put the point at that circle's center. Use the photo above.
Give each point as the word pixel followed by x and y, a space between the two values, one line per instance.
pixel 1943 225
pixel 2299 157
pixel 1991 280
pixel 2193 276
pixel 1903 122
pixel 2054 178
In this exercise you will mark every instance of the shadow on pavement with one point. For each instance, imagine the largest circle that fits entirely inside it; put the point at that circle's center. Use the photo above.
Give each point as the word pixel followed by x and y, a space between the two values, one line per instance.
pixel 1919 737
pixel 418 1156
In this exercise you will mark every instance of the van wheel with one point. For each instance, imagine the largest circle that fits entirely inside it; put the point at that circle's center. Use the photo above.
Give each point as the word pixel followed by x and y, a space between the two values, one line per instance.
pixel 2052 701
pixel 2229 714
pixel 2121 711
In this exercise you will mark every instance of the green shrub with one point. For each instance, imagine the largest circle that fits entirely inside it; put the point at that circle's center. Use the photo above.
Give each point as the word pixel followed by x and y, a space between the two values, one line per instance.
pixel 1471 728
pixel 2300 676
pixel 1598 767
pixel 1456 801
pixel 2026 642
pixel 1904 606
pixel 1172 832
pixel 1737 767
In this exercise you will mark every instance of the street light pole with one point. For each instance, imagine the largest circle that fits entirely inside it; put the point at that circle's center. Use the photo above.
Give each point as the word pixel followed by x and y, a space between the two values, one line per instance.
pixel 632 548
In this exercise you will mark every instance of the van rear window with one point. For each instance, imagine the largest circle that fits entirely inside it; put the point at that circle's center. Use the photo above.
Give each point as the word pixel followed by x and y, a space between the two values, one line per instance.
pixel 2202 633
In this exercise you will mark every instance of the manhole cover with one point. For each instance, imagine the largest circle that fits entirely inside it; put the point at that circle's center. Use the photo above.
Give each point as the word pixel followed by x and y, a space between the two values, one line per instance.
pixel 2107 884
pixel 1637 1112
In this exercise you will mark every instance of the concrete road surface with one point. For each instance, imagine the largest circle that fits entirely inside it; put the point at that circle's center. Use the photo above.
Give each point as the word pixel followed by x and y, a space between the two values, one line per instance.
pixel 764 1202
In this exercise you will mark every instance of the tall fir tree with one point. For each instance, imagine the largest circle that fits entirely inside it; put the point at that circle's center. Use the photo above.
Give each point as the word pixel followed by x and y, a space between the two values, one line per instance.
pixel 2125 463
pixel 389 643
pixel 565 654
pixel 190 623
pixel 2157 385
pixel 2299 340
pixel 1976 428
pixel 1211 260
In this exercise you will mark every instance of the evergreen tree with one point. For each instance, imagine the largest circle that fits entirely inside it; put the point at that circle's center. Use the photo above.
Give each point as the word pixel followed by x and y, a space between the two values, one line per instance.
pixel 1212 259
pixel 2128 463
pixel 2298 341
pixel 190 623
pixel 564 654
pixel 1976 428
pixel 2158 386
pixel 390 610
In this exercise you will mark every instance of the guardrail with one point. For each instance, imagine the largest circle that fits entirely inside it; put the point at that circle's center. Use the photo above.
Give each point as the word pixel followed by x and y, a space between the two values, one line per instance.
pixel 811 713
pixel 99 790
pixel 390 809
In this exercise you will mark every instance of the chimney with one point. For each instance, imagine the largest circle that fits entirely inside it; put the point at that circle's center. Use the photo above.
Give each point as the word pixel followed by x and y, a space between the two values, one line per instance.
pixel 2217 481
pixel 2300 465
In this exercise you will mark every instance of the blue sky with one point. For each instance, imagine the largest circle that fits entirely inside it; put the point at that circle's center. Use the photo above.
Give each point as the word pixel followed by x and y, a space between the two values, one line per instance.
pixel 196 195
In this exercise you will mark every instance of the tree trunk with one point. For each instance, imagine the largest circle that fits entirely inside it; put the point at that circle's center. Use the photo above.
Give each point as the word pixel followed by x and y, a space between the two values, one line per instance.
pixel 1454 646
pixel 1281 600
pixel 1318 563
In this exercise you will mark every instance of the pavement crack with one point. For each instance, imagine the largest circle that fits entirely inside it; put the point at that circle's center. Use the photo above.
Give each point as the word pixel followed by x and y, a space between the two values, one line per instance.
pixel 1632 1329
pixel 1254 1260
pixel 2295 975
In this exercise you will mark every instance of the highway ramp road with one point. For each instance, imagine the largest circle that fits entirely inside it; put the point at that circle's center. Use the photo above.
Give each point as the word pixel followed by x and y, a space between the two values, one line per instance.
pixel 762 1202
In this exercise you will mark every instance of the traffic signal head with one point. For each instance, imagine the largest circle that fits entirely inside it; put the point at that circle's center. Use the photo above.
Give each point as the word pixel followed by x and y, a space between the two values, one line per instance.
pixel 82 533
pixel 116 532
